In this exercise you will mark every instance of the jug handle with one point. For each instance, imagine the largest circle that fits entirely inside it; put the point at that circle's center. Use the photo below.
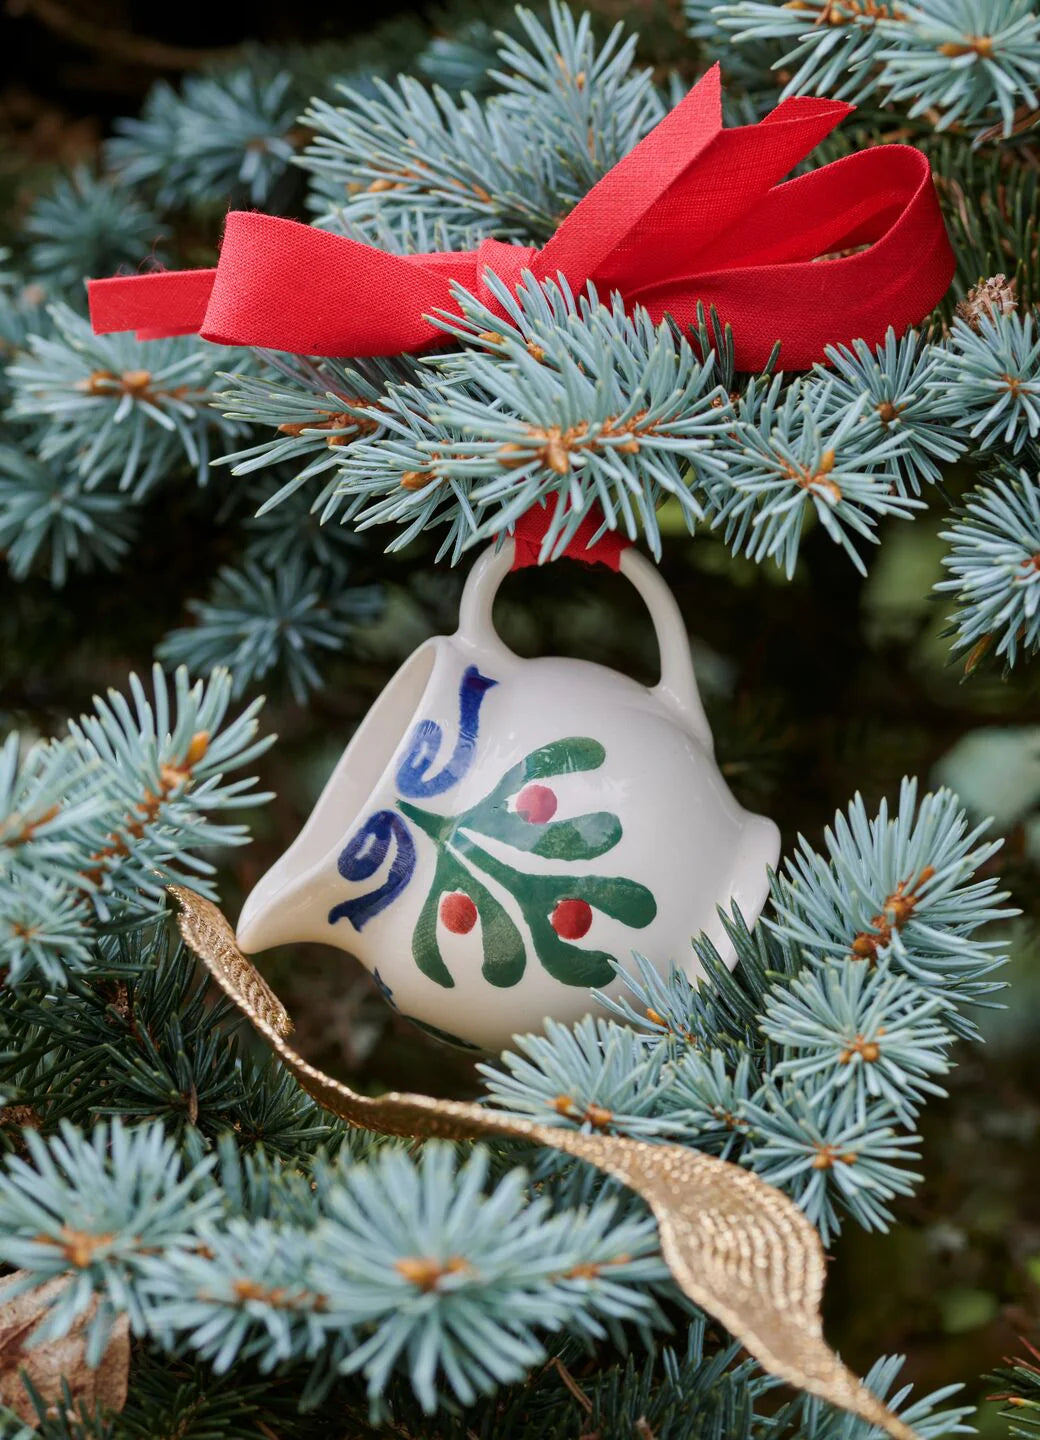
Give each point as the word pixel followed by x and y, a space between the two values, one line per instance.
pixel 677 686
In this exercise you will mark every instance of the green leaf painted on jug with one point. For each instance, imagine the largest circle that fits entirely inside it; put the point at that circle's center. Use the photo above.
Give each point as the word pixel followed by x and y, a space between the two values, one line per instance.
pixel 555 909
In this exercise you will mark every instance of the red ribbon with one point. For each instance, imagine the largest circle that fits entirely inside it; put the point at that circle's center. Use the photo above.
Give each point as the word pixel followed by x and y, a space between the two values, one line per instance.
pixel 532 527
pixel 693 213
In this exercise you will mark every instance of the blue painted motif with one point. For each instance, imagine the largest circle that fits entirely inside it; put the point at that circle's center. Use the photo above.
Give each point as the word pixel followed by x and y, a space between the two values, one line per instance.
pixel 367 849
pixel 413 779
pixel 384 989
pixel 363 855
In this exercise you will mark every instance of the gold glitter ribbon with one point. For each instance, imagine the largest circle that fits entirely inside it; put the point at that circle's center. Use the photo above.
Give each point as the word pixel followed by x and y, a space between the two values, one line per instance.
pixel 737 1246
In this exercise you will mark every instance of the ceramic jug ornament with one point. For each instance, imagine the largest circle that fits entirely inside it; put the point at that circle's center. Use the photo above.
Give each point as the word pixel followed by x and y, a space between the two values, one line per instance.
pixel 499 830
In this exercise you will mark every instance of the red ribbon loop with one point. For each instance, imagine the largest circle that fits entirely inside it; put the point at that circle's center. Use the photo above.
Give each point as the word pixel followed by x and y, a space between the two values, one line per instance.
pixel 693 213
pixel 532 527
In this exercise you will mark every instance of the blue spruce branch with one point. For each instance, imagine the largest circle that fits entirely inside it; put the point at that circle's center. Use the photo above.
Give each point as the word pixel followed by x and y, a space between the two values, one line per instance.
pixel 113 407
pixel 93 825
pixel 223 137
pixel 258 620
pixel 964 63
pixel 853 996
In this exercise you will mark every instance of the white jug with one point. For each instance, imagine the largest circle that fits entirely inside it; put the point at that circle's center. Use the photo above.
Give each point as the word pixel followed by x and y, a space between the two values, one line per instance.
pixel 499 829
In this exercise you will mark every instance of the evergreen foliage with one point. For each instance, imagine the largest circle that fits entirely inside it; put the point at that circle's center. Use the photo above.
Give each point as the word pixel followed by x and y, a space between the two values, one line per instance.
pixel 1020 1392
pixel 225 137
pixel 965 61
pixel 117 406
pixel 97 822
pixel 51 520
pixel 994 542
pixel 991 373
pixel 819 1087
pixel 470 443
pixel 456 1276
pixel 87 224
pixel 566 110
pixel 283 1274
pixel 257 620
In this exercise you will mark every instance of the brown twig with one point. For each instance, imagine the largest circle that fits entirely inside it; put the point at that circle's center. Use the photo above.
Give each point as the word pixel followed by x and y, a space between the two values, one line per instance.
pixel 571 1384
pixel 136 50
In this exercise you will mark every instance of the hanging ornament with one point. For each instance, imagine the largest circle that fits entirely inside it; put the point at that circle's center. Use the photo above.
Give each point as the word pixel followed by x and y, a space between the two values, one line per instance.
pixel 500 832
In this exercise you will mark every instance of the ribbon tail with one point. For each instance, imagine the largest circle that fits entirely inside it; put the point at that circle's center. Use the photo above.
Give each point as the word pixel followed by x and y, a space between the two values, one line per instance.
pixel 602 219
pixel 168 302
pixel 282 285
pixel 680 187
pixel 287 286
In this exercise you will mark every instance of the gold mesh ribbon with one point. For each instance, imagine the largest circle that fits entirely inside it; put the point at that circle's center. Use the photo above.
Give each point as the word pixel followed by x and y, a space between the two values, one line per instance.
pixel 737 1246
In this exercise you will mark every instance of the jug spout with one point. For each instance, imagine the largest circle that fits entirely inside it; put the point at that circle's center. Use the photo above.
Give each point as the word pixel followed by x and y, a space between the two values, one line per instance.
pixel 275 915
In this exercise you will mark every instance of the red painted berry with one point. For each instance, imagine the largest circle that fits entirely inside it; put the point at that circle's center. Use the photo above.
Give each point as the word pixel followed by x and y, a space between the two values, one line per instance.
pixel 571 919
pixel 458 912
pixel 536 803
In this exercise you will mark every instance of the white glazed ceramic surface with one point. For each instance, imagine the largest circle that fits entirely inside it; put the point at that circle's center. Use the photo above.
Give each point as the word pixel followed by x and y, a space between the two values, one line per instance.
pixel 498 827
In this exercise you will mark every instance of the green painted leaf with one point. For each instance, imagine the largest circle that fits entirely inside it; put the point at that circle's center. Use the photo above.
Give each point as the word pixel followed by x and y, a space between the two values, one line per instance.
pixel 625 900
pixel 564 961
pixel 580 839
pixel 621 899
pixel 426 947
pixel 585 837
pixel 505 954
pixel 438 827
pixel 560 757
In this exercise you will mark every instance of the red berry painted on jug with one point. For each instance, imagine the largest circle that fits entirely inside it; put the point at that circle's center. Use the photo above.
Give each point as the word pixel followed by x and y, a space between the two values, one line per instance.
pixel 536 803
pixel 458 912
pixel 571 919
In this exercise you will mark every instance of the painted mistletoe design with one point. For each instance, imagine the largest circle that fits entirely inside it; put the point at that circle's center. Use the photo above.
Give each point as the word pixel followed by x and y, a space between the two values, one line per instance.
pixel 556 910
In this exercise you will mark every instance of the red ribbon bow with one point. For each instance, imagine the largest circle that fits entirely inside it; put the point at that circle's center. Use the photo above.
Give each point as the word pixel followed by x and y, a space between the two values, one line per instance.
pixel 693 213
